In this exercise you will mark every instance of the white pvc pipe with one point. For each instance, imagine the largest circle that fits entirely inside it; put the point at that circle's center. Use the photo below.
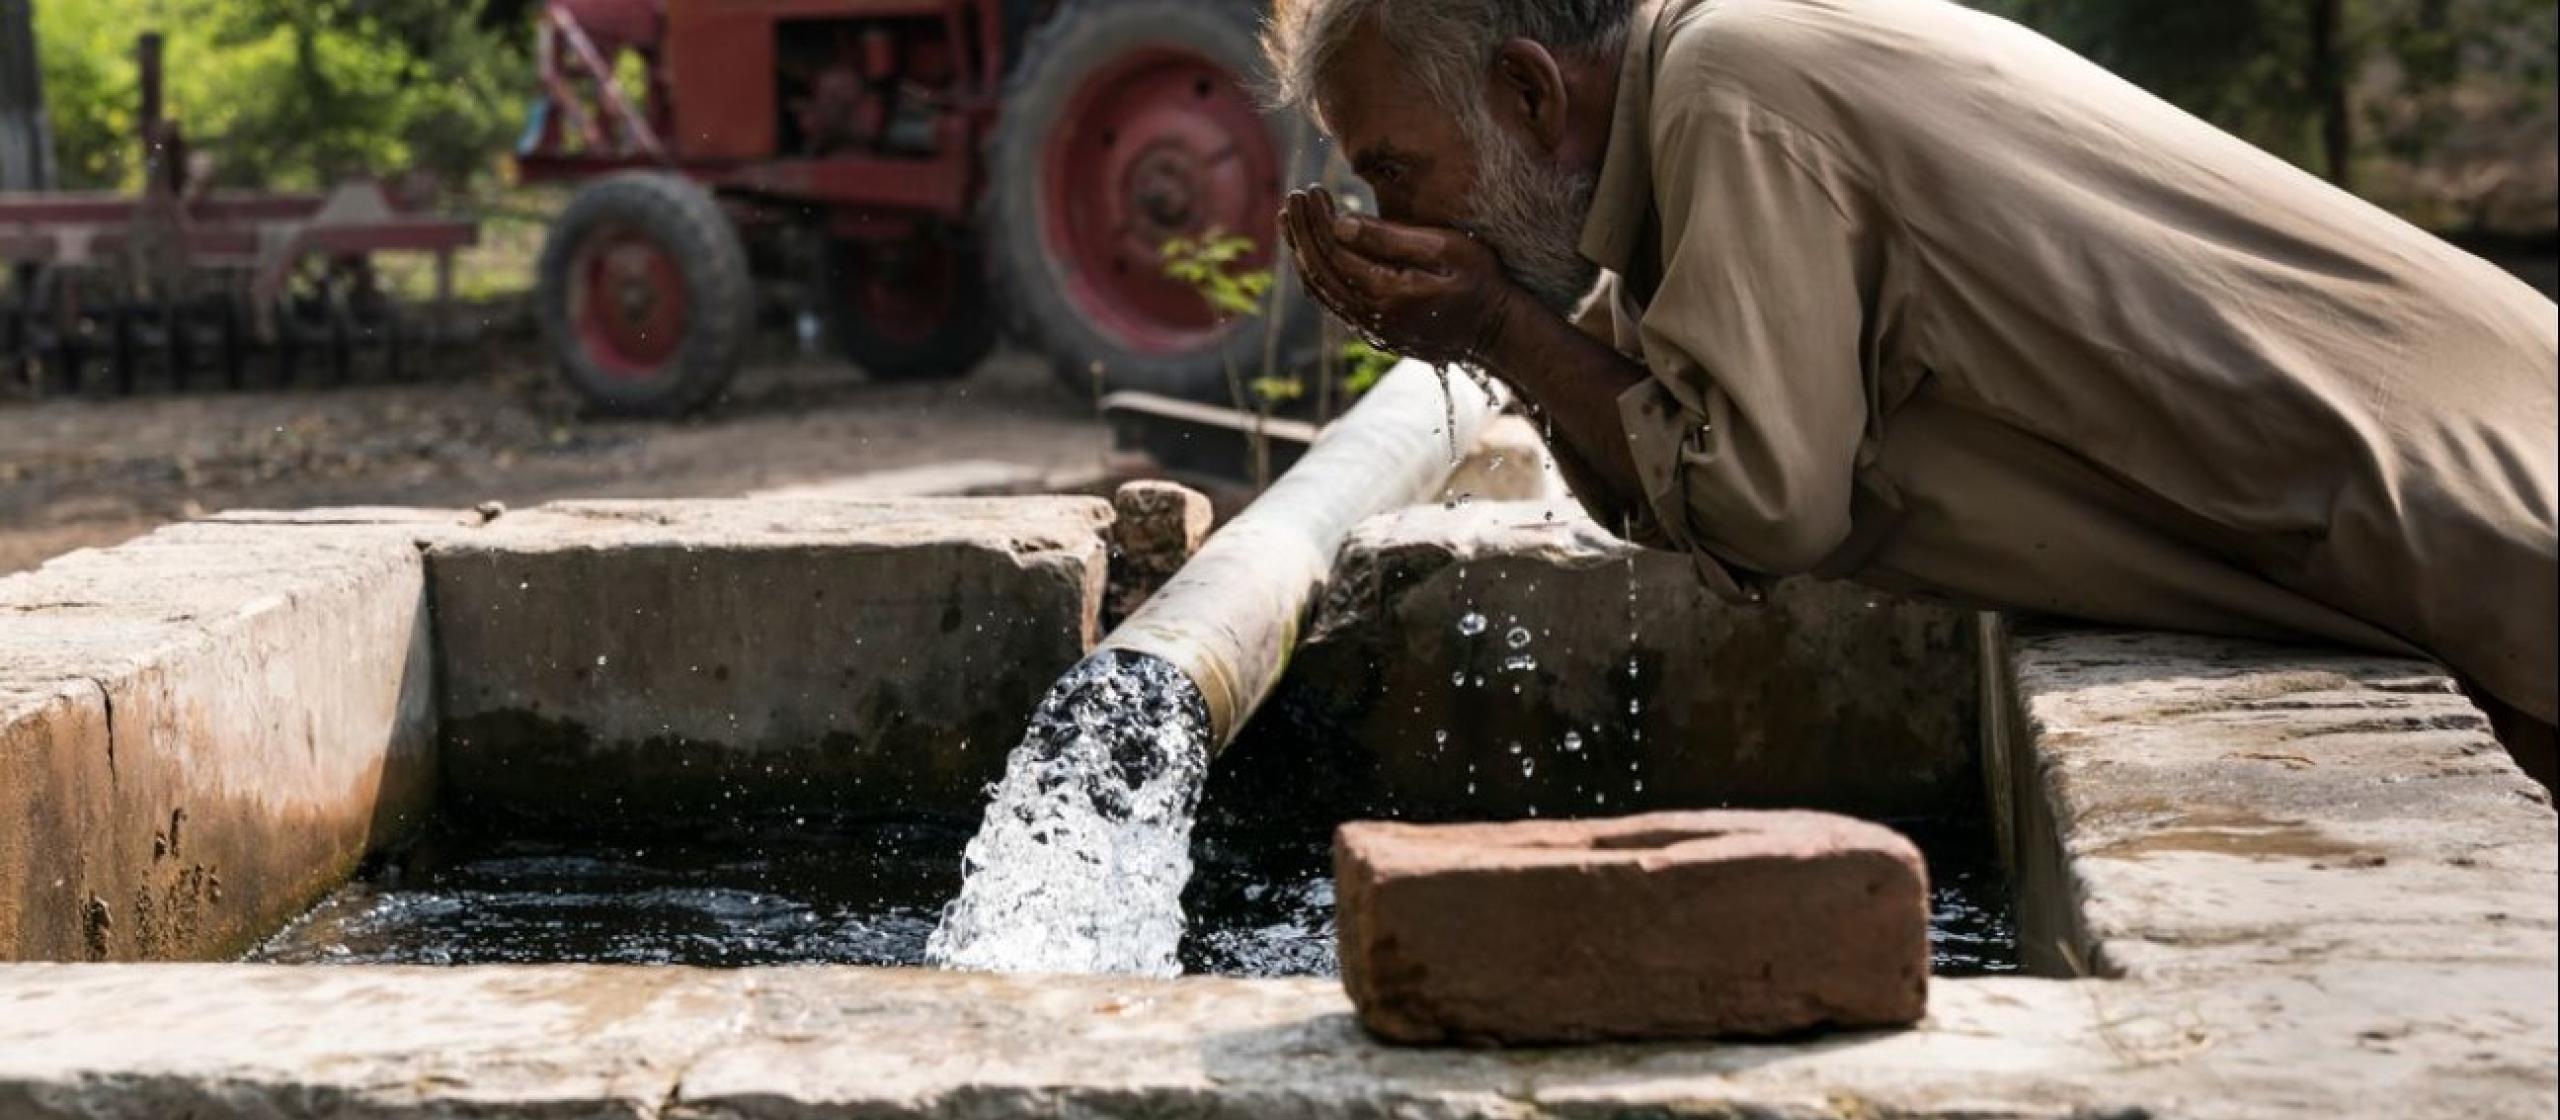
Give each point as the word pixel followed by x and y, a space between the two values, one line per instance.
pixel 1231 616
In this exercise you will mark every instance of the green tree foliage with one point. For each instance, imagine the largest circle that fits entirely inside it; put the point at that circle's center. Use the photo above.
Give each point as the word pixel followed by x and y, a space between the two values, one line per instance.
pixel 291 93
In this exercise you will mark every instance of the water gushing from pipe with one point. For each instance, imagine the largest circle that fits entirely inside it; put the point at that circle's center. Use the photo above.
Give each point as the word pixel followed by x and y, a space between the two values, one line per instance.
pixel 1080 863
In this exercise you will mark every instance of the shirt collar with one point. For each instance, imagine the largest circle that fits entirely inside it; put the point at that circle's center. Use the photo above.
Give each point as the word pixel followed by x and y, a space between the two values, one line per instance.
pixel 1622 203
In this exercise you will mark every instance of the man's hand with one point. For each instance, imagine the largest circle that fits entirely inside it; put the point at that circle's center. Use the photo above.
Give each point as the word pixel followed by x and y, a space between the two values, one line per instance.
pixel 1433 294
pixel 1441 296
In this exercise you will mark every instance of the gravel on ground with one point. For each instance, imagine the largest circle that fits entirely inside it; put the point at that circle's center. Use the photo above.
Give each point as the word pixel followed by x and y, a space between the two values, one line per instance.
pixel 76 473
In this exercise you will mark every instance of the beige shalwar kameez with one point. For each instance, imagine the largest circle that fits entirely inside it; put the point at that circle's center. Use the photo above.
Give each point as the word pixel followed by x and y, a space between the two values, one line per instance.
pixel 1933 304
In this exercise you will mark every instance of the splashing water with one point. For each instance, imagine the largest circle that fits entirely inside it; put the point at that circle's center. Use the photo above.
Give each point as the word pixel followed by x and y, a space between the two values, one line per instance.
pixel 1449 410
pixel 1449 401
pixel 1080 863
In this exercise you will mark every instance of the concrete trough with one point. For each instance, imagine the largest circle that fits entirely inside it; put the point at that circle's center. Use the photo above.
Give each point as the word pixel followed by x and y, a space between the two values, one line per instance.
pixel 2252 880
pixel 648 659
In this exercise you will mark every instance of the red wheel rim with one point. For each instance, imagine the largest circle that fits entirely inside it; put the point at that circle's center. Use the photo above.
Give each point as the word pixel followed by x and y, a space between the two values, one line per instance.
pixel 628 300
pixel 904 295
pixel 1162 143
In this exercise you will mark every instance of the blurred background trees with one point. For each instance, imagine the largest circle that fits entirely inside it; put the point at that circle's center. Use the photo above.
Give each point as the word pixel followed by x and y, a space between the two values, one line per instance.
pixel 2442 110
pixel 293 93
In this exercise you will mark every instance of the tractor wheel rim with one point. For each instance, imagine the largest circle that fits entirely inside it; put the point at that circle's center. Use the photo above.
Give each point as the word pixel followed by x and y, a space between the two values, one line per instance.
pixel 1161 143
pixel 629 304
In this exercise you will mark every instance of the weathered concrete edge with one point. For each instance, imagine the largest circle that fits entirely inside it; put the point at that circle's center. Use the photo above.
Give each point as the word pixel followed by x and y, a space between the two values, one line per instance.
pixel 301 651
pixel 1065 538
pixel 2329 847
pixel 2353 1030
pixel 2212 805
pixel 774 703
pixel 2323 1032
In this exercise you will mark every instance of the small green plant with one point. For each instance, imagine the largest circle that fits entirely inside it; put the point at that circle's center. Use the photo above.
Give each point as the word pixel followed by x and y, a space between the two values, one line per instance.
pixel 1215 264
pixel 1362 366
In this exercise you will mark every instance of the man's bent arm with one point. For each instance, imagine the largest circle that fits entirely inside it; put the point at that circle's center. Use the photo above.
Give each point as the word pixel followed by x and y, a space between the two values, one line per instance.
pixel 1576 380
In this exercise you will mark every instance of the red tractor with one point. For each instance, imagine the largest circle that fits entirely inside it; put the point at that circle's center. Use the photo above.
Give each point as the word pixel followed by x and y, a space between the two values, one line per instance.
pixel 928 175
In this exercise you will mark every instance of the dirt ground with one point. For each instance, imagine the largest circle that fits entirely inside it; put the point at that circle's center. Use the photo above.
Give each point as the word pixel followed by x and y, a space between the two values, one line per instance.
pixel 77 473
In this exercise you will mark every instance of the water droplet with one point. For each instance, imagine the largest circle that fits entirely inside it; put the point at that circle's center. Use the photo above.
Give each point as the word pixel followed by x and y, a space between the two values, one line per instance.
pixel 1573 742
pixel 1518 637
pixel 1519 663
pixel 1471 623
pixel 599 660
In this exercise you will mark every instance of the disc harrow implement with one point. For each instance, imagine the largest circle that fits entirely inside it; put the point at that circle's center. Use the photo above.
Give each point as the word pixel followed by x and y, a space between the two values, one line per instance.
pixel 182 286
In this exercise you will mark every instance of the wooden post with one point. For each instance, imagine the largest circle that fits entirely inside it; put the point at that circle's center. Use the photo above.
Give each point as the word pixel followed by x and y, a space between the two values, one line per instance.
pixel 26 134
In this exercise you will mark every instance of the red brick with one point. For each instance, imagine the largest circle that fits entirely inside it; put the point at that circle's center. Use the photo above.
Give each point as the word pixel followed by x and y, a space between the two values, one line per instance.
pixel 1670 925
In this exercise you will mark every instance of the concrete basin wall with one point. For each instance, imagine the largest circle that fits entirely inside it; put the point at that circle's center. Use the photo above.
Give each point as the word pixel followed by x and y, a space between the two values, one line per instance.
pixel 204 731
pixel 1596 678
pixel 2300 883
pixel 2180 807
pixel 638 661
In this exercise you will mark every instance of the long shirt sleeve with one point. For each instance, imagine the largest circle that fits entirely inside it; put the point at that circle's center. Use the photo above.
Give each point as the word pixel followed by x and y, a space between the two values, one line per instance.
pixel 1747 435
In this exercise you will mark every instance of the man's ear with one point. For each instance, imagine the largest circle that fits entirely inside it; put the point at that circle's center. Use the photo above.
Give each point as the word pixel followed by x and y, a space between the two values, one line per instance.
pixel 1526 91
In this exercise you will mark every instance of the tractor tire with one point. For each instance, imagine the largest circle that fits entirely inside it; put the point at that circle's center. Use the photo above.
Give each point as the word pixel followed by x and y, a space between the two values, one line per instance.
pixel 644 295
pixel 912 312
pixel 1127 123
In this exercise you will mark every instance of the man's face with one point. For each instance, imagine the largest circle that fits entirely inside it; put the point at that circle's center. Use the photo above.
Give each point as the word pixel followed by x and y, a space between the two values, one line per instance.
pixel 1397 139
pixel 1429 167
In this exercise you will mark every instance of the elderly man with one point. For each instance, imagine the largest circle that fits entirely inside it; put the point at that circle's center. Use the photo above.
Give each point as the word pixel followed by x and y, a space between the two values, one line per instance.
pixel 1899 292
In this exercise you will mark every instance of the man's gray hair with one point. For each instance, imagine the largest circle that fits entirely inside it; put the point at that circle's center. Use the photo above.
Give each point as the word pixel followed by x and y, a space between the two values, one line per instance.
pixel 1447 43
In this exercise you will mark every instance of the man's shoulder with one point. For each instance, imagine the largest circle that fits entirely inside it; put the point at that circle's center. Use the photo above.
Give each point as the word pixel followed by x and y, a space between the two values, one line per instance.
pixel 1828 67
pixel 1740 58
pixel 1774 44
pixel 1741 32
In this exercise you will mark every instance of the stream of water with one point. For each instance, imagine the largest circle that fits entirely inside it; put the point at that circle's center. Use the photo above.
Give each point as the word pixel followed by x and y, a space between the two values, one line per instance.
pixel 1080 863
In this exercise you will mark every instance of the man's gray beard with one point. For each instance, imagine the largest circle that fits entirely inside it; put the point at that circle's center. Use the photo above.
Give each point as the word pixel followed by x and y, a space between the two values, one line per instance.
pixel 1531 214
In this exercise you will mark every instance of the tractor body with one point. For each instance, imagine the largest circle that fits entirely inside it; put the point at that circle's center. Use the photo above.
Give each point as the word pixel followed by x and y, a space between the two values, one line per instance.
pixel 926 175
pixel 870 109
